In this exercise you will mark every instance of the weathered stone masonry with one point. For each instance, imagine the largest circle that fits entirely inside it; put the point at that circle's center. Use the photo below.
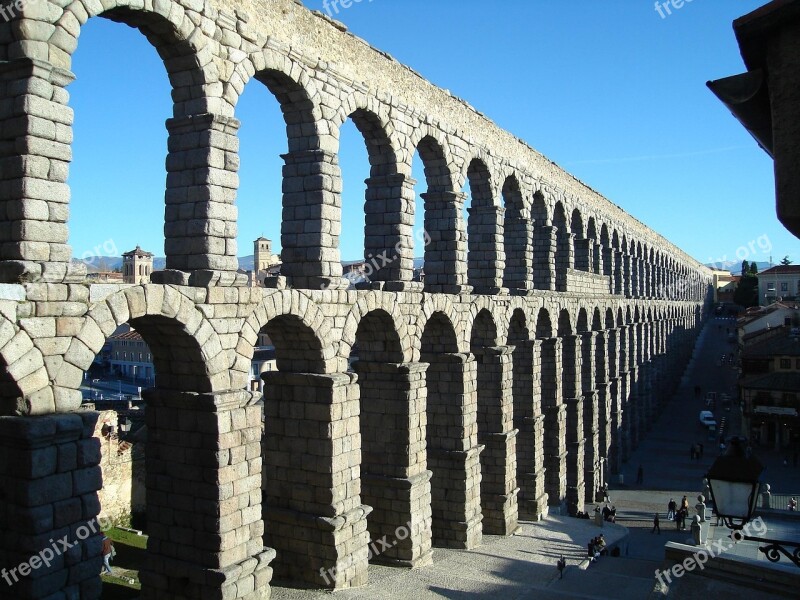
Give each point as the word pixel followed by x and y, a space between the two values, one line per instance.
pixel 549 330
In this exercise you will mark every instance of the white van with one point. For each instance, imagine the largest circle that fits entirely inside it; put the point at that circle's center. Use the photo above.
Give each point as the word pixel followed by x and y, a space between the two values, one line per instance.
pixel 707 418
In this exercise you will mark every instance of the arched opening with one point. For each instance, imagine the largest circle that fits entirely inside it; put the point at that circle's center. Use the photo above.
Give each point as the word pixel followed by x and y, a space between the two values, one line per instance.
pixel 495 433
pixel 393 468
pixel 484 231
pixel 378 210
pixel 582 250
pixel 451 438
pixel 310 209
pixel 528 418
pixel 444 236
pixel 309 472
pixel 553 407
pixel 112 64
pixel 564 257
pixel 544 243
pixel 573 403
pixel 519 254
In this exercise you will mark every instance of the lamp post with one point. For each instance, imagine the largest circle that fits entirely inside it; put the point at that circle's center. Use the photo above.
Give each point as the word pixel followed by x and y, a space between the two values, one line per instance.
pixel 734 482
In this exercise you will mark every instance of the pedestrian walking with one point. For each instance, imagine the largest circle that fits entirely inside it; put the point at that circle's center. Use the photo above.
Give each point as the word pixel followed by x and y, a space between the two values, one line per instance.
pixel 640 475
pixel 108 554
pixel 792 504
pixel 671 509
pixel 656 525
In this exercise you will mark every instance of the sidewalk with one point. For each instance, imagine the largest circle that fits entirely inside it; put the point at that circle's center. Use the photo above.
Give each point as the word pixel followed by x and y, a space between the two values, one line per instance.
pixel 521 566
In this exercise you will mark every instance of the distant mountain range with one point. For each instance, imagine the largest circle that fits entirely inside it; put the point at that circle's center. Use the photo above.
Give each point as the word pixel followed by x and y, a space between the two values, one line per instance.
pixel 735 266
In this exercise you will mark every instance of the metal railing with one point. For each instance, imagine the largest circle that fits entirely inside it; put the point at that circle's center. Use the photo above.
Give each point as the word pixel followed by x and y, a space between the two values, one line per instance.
pixel 781 501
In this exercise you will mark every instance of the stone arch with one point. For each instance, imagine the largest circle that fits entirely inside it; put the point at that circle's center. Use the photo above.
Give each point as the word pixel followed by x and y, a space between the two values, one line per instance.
pixel 187 353
pixel 442 305
pixel 455 483
pixel 481 184
pixel 481 305
pixel 544 326
pixel 485 255
pixel 609 320
pixel 390 318
pixel 173 34
pixel 193 75
pixel 443 220
pixel 544 245
pixel 517 237
pixel 301 316
pixel 24 389
pixel 494 415
pixel 564 258
pixel 436 158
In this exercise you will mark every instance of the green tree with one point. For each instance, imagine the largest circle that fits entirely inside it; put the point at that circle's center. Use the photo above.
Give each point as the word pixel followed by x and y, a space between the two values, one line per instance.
pixel 785 261
pixel 745 268
pixel 746 293
pixel 753 268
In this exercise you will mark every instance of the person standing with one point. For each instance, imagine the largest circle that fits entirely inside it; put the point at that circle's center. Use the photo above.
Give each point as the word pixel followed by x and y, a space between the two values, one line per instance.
pixel 671 509
pixel 108 551
pixel 656 525
pixel 640 475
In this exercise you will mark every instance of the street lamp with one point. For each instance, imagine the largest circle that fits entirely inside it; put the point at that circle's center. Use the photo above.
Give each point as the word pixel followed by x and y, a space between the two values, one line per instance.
pixel 734 482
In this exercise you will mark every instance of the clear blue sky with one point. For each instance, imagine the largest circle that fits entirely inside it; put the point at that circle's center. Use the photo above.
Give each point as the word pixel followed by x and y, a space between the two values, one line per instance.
pixel 608 89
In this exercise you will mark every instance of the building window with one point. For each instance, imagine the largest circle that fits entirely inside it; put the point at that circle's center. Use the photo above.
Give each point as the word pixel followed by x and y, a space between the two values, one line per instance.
pixel 784 286
pixel 771 286
pixel 786 363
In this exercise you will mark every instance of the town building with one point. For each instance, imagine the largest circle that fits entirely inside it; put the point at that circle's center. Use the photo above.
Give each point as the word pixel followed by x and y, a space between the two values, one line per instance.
pixel 129 356
pixel 777 284
pixel 137 266
pixel 777 314
pixel 770 388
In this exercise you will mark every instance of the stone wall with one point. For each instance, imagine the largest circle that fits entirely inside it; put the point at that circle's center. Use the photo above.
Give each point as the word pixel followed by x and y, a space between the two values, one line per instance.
pixel 473 399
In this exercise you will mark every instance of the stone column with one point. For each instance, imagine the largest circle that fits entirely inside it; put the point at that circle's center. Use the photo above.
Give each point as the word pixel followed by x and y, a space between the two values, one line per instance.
pixel 389 243
pixel 591 422
pixel 519 276
pixel 49 478
pixel 453 450
pixel 34 199
pixel 575 442
pixel 312 220
pixel 446 253
pixel 312 485
pixel 529 420
pixel 203 463
pixel 486 258
pixel 497 434
pixel 544 251
pixel 648 279
pixel 200 219
pixel 597 258
pixel 395 480
pixel 641 276
pixel 584 255
pixel 555 412
pixel 615 401
pixel 603 401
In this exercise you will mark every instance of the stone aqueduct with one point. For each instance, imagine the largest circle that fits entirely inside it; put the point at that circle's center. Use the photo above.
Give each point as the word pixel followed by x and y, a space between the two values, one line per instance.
pixel 509 384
